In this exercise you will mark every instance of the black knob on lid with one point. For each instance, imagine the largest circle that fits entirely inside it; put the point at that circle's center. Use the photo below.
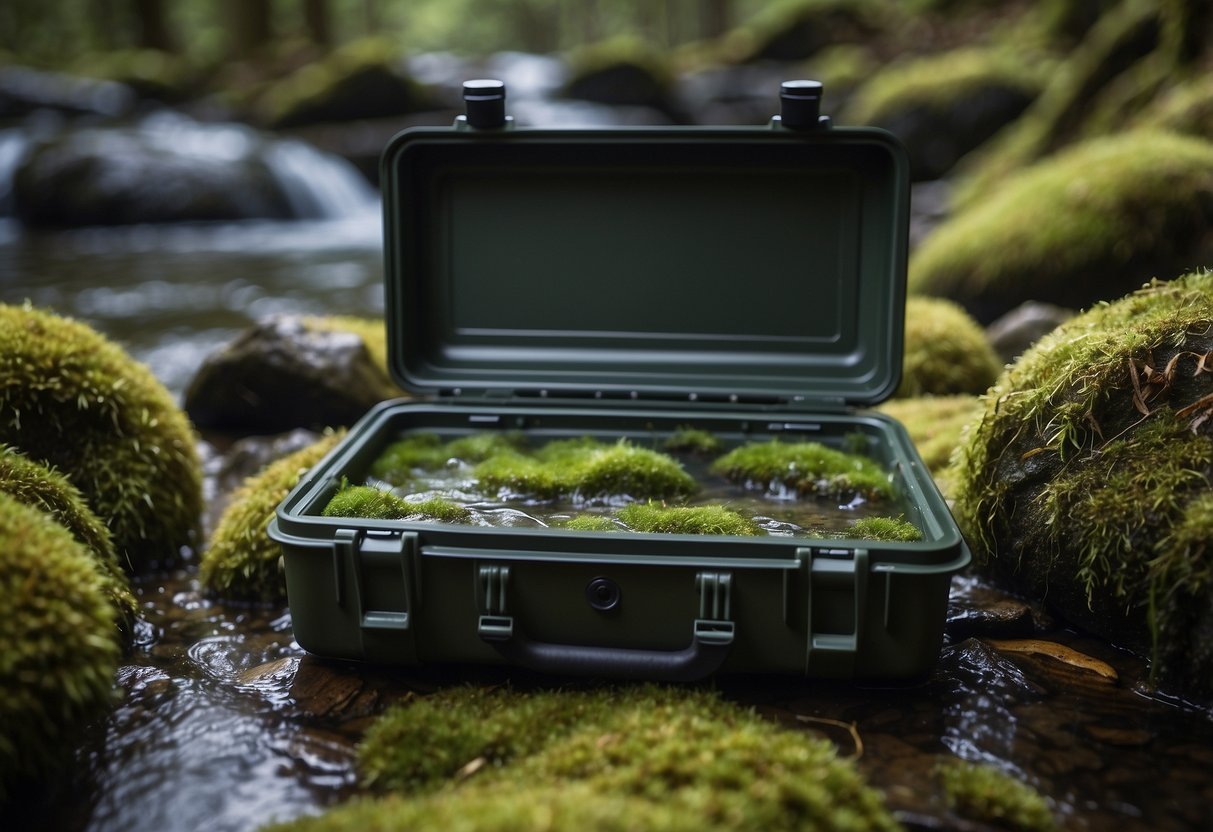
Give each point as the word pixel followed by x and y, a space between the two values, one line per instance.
pixel 800 104
pixel 485 102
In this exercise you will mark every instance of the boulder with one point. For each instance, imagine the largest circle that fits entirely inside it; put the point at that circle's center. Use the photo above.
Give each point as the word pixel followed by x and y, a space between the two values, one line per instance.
pixel 290 372
pixel 1086 481
pixel 1086 225
pixel 1013 333
pixel 944 106
pixel 162 170
pixel 946 352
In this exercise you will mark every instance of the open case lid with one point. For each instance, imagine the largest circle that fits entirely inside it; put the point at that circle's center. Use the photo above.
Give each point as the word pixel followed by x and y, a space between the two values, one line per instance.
pixel 751 264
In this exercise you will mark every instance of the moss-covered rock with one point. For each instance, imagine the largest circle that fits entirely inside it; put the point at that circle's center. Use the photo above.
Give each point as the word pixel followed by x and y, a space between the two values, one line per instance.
pixel 793 30
pixel 943 106
pixel 946 352
pixel 1186 108
pixel 650 517
pixel 72 399
pixel 289 371
pixel 622 72
pixel 935 425
pixel 58 645
pixel 985 794
pixel 661 758
pixel 1118 39
pixel 807 468
pixel 376 504
pixel 1089 224
pixel 1086 481
pixel 360 80
pixel 241 562
pixel 49 491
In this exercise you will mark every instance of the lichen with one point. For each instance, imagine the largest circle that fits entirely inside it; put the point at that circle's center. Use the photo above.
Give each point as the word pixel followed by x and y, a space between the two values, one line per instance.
pixel 1086 225
pixel 241 562
pixel 58 645
pixel 373 503
pixel 985 794
pixel 808 468
pixel 650 517
pixel 49 491
pixel 633 757
pixel 946 352
pixel 77 402
pixel 1083 482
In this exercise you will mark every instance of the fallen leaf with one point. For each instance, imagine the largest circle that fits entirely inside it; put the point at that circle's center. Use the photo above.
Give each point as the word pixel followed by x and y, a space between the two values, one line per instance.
pixel 1058 652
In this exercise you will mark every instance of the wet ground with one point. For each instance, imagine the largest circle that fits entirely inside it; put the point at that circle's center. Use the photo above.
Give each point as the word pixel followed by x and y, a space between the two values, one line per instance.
pixel 225 724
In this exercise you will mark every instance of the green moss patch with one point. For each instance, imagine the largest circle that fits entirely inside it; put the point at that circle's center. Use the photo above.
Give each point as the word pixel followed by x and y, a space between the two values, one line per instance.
pixel 935 425
pixel 1084 482
pixel 421 452
pixel 1086 225
pixel 58 645
pixel 693 441
pixel 985 794
pixel 946 352
pixel 650 517
pixel 591 523
pixel 241 562
pixel 636 757
pixel 808 468
pixel 891 529
pixel 373 503
pixel 77 402
pixel 49 491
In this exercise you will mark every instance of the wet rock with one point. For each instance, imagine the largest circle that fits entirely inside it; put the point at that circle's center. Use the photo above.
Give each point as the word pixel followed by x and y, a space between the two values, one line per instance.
pixel 1023 326
pixel 24 90
pixel 622 73
pixel 251 454
pixel 286 373
pixel 1083 226
pixel 163 170
pixel 1085 483
pixel 324 692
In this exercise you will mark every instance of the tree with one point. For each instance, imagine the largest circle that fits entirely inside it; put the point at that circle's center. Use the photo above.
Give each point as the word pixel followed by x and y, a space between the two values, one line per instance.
pixel 154 31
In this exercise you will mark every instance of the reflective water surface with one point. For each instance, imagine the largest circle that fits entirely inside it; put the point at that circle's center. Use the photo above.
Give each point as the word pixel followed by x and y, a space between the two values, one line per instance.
pixel 224 724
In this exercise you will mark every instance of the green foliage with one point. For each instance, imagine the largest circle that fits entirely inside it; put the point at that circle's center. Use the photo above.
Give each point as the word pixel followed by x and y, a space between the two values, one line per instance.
pixel 1085 225
pixel 241 562
pixel 373 503
pixel 808 468
pixel 58 644
pixel 985 794
pixel 650 517
pixel 49 491
pixel 77 402
pixel 946 352
pixel 619 758
pixel 1088 471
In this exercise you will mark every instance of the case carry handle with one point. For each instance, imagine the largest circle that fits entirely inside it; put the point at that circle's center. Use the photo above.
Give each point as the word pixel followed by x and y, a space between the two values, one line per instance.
pixel 711 642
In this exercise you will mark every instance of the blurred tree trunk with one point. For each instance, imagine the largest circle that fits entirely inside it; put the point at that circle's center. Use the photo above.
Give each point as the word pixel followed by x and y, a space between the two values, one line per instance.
pixel 103 24
pixel 318 21
pixel 249 25
pixel 154 32
pixel 715 18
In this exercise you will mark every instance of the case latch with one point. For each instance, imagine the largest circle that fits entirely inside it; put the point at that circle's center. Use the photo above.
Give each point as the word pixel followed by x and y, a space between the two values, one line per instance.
pixel 836 591
pixel 495 623
pixel 388 562
pixel 714 624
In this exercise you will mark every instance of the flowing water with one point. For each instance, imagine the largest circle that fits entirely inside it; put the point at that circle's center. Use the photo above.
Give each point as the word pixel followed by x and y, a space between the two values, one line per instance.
pixel 224 724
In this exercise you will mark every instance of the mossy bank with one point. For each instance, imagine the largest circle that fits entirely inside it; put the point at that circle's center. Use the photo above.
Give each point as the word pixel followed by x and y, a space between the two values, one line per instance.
pixel 74 400
pixel 1086 480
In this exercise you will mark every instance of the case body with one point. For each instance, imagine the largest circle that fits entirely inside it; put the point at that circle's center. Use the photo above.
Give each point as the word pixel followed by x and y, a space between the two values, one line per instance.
pixel 626 284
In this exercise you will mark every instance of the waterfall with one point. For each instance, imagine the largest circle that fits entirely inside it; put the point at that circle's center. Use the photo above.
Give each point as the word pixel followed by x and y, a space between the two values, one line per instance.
pixel 12 146
pixel 318 185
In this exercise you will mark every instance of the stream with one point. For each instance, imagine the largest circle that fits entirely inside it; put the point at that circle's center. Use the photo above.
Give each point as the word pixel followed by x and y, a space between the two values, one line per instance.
pixel 225 723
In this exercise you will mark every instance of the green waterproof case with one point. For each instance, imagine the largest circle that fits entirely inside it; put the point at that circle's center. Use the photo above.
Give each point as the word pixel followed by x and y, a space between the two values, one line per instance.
pixel 626 285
